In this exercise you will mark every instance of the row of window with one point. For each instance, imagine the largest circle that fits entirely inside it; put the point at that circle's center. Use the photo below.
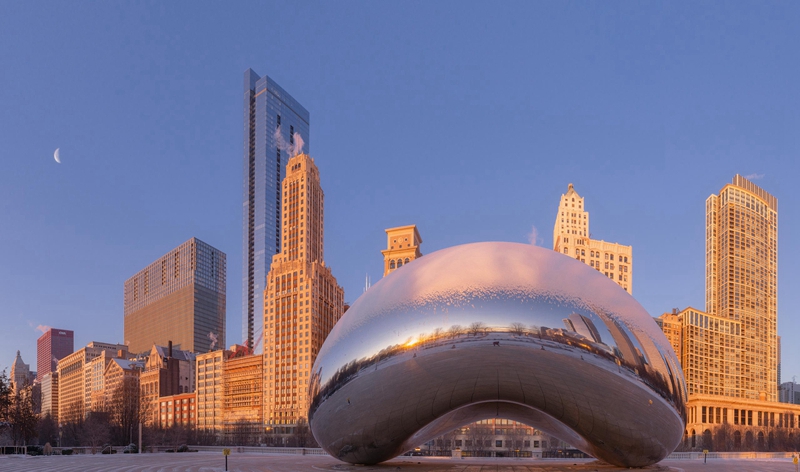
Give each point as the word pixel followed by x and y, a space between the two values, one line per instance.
pixel 399 263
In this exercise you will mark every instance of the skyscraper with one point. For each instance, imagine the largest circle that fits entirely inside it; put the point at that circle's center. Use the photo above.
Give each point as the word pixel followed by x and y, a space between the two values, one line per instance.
pixel 742 280
pixel 730 352
pixel 179 298
pixel 302 300
pixel 51 347
pixel 271 119
pixel 20 374
pixel 571 236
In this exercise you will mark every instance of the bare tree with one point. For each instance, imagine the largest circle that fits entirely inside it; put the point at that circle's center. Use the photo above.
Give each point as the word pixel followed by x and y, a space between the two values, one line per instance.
pixel 514 438
pixel 72 424
pixel 240 433
pixel 125 411
pixel 477 328
pixel 47 430
pixel 478 436
pixel 301 433
pixel 455 331
pixel 517 328
pixel 175 436
pixel 205 437
pixel 96 430
pixel 21 416
pixel 723 438
pixel 437 333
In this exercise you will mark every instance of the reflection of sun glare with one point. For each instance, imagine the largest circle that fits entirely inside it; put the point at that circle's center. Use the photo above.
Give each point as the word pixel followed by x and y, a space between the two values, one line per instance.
pixel 411 342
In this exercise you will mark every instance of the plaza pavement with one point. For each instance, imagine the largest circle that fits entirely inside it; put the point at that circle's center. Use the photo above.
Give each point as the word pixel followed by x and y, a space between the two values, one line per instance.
pixel 251 462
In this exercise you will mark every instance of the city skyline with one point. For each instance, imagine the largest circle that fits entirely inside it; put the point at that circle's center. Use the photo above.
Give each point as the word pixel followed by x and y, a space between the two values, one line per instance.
pixel 646 169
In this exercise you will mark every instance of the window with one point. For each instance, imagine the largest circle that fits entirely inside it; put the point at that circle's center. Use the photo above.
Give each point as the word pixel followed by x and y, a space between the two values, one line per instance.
pixel 391 265
pixel 565 250
pixel 406 261
pixel 498 443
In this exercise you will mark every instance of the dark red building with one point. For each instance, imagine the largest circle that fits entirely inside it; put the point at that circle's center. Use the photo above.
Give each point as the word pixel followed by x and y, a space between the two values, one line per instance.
pixel 51 347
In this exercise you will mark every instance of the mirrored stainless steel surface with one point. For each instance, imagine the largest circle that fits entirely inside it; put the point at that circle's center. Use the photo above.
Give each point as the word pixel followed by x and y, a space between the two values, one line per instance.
pixel 497 330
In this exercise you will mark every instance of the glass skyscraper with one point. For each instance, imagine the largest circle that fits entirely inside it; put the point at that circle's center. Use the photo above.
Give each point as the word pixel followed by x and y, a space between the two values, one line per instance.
pixel 179 298
pixel 271 117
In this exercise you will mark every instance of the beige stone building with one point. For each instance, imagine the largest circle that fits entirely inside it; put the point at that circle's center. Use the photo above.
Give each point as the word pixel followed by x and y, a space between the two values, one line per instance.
pixel 571 237
pixel 302 300
pixel 95 372
pixel 210 390
pixel 75 380
pixel 20 374
pixel 243 397
pixel 402 247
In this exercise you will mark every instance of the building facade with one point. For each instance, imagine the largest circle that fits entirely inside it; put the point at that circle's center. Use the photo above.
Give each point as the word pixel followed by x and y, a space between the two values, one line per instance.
pixel 210 390
pixel 751 424
pixel 402 247
pixel 180 298
pixel 492 437
pixel 571 237
pixel 243 397
pixel 52 346
pixel 177 410
pixel 710 350
pixel 50 395
pixel 789 392
pixel 75 380
pixel 742 284
pixel 302 300
pixel 95 372
pixel 168 371
pixel 21 374
pixel 271 119
pixel 729 352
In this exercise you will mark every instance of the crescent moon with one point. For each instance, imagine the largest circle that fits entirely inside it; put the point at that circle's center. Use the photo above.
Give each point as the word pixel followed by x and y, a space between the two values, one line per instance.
pixel 55 155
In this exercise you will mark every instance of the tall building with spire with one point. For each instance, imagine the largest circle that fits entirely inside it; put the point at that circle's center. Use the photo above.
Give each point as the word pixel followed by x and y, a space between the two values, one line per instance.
pixel 302 300
pixel 20 374
pixel 571 237
pixel 272 118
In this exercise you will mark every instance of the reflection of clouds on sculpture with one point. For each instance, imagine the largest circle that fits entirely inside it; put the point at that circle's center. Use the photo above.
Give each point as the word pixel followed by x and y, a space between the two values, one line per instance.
pixel 519 300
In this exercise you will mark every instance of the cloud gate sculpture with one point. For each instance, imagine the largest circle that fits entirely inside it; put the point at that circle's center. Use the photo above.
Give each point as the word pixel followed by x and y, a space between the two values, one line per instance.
pixel 497 330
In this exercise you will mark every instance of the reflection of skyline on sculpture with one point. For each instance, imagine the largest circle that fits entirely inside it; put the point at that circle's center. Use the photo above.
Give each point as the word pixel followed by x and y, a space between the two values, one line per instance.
pixel 468 304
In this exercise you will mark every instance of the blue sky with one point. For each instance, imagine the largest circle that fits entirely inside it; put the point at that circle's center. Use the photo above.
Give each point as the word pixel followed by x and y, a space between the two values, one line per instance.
pixel 467 119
